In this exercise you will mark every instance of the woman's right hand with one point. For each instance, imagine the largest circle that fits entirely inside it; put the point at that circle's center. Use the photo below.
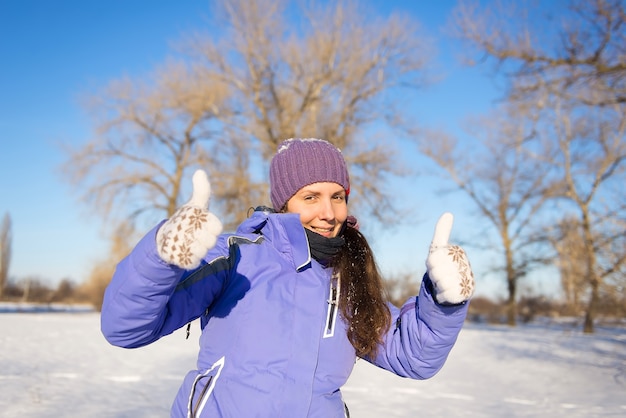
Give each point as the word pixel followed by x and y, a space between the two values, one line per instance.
pixel 187 236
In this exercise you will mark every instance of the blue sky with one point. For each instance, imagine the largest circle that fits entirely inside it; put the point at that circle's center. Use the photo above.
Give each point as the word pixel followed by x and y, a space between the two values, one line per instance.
pixel 54 52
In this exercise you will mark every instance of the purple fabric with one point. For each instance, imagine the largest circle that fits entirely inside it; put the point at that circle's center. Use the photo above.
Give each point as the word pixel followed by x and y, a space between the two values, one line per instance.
pixel 300 162
pixel 262 301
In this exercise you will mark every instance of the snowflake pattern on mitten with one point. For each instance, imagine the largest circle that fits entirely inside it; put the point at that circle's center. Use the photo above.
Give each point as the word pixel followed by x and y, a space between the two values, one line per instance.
pixel 450 273
pixel 176 243
pixel 186 237
pixel 467 276
pixel 448 267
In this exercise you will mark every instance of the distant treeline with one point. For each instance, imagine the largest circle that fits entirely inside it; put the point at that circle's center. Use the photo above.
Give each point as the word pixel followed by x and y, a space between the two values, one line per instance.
pixel 482 309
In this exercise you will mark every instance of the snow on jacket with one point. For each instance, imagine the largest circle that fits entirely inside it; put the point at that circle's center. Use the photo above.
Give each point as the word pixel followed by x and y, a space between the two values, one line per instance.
pixel 271 344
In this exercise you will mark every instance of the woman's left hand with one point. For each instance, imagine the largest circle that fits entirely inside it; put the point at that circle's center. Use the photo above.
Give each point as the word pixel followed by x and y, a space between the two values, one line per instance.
pixel 448 267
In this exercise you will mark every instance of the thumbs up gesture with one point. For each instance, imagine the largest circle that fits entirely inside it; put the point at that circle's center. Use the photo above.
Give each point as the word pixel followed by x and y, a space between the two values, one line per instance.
pixel 448 267
pixel 186 237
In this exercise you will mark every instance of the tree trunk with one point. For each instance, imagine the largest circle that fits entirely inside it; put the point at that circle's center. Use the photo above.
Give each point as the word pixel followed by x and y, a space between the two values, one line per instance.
pixel 591 309
pixel 511 306
pixel 594 279
pixel 511 279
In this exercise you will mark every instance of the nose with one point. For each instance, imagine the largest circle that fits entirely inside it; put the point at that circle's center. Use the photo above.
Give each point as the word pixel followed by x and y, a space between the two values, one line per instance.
pixel 327 212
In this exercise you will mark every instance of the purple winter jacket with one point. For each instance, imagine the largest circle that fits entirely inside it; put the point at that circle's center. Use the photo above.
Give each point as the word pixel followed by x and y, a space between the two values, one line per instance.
pixel 271 344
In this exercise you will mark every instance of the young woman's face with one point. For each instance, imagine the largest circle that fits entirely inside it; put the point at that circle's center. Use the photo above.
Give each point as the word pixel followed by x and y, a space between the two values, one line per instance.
pixel 322 207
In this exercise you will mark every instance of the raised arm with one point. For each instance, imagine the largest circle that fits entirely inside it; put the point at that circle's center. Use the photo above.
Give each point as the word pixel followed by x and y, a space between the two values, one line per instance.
pixel 426 327
pixel 148 296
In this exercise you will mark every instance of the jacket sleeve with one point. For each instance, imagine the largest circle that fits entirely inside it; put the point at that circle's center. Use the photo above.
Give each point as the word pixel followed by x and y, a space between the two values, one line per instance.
pixel 421 335
pixel 148 298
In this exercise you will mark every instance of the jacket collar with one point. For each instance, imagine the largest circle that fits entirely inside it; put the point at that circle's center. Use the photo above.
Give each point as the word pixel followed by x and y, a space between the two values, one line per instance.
pixel 284 231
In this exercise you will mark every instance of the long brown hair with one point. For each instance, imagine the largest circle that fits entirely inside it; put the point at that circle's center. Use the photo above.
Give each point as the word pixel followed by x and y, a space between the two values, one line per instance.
pixel 362 297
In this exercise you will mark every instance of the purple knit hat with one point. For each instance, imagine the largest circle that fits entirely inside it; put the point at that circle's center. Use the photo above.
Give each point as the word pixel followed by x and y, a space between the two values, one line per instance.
pixel 300 162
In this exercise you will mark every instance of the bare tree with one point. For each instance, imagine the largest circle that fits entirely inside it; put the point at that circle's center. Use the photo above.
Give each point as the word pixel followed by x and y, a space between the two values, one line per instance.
pixel 568 243
pixel 6 238
pixel 263 74
pixel 577 53
pixel 327 72
pixel 571 69
pixel 148 138
pixel 492 167
pixel 590 155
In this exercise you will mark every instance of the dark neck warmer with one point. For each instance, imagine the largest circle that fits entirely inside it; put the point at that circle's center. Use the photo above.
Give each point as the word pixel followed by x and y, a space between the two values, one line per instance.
pixel 323 249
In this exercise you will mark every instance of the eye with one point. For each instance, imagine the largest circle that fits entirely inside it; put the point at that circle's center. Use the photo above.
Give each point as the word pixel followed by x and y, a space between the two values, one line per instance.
pixel 339 197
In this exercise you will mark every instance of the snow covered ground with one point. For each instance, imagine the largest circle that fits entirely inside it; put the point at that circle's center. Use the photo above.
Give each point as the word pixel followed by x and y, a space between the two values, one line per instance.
pixel 58 365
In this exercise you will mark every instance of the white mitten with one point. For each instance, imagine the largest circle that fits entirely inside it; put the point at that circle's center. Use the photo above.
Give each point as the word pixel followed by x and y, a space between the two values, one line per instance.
pixel 187 236
pixel 448 266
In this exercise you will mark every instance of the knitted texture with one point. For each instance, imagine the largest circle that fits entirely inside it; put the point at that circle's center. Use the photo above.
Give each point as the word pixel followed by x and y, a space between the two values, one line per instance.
pixel 448 266
pixel 185 238
pixel 300 162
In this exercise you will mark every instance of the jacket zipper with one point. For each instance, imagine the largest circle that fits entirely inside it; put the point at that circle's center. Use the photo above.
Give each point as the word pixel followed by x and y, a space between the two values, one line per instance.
pixel 206 387
pixel 333 306
pixel 195 410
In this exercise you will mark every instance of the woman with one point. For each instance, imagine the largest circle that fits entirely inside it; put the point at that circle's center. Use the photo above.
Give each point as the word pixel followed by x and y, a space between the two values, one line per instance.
pixel 288 302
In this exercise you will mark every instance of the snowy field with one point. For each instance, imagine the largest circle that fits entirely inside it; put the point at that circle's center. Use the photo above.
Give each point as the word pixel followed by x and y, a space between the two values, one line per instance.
pixel 59 365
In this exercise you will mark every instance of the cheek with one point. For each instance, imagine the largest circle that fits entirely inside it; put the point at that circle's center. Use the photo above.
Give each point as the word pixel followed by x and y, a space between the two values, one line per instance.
pixel 341 213
pixel 305 217
pixel 306 214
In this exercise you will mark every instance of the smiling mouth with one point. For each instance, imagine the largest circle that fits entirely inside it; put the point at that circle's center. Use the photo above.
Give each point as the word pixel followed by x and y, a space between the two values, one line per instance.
pixel 322 231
